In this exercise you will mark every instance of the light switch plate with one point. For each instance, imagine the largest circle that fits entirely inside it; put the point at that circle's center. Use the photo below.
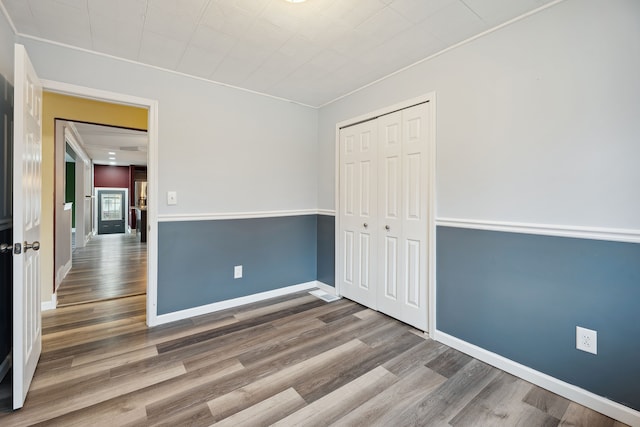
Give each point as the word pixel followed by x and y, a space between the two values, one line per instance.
pixel 172 198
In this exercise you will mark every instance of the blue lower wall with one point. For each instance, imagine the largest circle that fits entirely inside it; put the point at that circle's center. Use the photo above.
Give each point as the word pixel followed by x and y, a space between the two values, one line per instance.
pixel 196 258
pixel 518 295
pixel 326 249
pixel 522 296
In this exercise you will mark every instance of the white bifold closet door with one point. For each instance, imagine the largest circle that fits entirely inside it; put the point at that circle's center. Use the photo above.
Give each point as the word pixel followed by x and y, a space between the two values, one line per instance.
pixel 383 208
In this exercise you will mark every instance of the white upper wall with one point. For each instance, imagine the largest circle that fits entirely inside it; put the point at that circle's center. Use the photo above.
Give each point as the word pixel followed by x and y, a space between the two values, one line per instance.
pixel 6 48
pixel 537 122
pixel 222 149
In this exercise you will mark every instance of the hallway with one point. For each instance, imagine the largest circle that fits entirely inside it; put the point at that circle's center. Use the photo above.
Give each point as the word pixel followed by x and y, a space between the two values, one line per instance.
pixel 110 266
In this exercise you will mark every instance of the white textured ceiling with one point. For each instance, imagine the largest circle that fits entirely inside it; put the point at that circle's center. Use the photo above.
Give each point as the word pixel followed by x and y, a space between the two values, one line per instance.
pixel 311 52
pixel 129 146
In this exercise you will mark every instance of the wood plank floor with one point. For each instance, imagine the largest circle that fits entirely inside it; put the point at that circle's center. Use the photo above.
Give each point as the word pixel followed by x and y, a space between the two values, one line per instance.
pixel 290 361
pixel 110 266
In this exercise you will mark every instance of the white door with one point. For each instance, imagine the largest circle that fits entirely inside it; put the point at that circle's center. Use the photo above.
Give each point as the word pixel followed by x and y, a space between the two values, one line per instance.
pixel 358 210
pixel 403 242
pixel 383 208
pixel 27 160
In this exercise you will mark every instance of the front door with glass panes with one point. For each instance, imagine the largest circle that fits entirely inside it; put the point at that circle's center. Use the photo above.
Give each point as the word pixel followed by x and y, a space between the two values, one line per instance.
pixel 111 211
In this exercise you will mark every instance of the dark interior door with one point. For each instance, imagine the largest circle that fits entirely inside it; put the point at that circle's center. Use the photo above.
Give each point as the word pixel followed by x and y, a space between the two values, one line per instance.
pixel 111 211
pixel 6 220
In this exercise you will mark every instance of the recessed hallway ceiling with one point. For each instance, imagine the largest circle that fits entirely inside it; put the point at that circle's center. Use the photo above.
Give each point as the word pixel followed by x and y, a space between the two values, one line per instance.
pixel 129 146
pixel 311 52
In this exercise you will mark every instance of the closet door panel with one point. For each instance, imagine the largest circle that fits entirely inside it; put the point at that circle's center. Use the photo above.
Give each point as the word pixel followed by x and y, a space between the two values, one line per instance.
pixel 413 285
pixel 390 204
pixel 358 213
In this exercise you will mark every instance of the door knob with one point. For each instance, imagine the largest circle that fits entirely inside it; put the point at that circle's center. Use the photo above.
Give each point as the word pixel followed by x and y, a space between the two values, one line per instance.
pixel 365 225
pixel 386 227
pixel 35 246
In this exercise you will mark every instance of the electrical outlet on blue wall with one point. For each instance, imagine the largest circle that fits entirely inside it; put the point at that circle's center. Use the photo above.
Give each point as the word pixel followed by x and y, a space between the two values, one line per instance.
pixel 586 340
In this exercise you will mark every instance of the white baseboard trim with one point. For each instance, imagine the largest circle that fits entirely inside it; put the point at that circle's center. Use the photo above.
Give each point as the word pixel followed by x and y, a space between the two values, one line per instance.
pixel 63 271
pixel 231 303
pixel 50 305
pixel 5 366
pixel 586 398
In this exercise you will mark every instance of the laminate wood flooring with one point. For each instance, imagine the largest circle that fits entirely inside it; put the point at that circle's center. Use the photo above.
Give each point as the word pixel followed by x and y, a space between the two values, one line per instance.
pixel 290 361
pixel 109 266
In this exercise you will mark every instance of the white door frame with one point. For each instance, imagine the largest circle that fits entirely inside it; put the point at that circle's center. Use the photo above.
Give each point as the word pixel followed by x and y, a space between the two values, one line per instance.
pixel 431 216
pixel 152 174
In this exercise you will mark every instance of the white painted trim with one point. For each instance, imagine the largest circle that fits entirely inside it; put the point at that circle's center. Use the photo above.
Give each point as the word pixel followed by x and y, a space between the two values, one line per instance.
pixel 152 214
pixel 6 363
pixel 234 215
pixel 73 138
pixel 579 232
pixel 583 397
pixel 8 18
pixel 235 302
pixel 63 271
pixel 328 212
pixel 463 42
pixel 431 204
pixel 152 173
pixel 431 226
pixel 49 305
pixel 95 94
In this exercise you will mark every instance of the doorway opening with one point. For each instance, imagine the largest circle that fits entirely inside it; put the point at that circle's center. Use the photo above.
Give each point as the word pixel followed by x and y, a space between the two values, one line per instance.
pixel 109 254
pixel 107 159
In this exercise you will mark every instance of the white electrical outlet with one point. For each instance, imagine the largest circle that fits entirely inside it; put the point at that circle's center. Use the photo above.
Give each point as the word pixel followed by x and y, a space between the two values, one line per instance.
pixel 586 340
pixel 237 272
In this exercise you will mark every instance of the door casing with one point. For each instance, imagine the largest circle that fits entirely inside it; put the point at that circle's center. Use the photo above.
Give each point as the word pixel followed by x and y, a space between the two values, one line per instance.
pixel 152 174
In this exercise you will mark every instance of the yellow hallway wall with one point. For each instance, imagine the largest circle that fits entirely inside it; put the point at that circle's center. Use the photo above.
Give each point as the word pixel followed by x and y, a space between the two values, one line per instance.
pixel 57 106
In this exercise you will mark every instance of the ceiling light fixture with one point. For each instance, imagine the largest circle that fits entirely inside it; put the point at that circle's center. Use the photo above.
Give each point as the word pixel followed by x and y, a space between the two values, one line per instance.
pixel 296 1
pixel 111 153
pixel 112 163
